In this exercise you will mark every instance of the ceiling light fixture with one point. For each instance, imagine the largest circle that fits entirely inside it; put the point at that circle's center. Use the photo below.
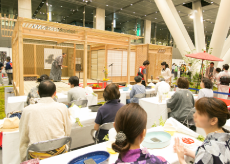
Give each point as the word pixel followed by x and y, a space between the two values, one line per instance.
pixel 107 5
pixel 133 12
pixel 131 4
pixel 61 6
pixel 155 18
pixel 121 8
pixel 211 2
pixel 145 15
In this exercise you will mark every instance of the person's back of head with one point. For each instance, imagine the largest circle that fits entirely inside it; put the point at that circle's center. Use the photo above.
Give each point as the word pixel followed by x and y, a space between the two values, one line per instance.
pixel 183 83
pixel 8 58
pixel 130 124
pixel 43 78
pixel 111 92
pixel 207 83
pixel 146 62
pixel 74 80
pixel 218 70
pixel 138 79
pixel 161 79
pixel 46 89
pixel 226 67
pixel 212 108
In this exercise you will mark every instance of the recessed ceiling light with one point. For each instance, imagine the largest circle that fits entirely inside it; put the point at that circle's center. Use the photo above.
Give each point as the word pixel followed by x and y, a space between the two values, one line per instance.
pixel 203 11
pixel 81 19
pixel 105 16
pixel 155 18
pixel 121 8
pixel 131 4
pixel 156 11
pixel 50 5
pixel 183 3
pixel 179 11
pixel 134 12
pixel 61 6
pixel 107 5
pixel 67 16
pixel 145 15
pixel 211 2
pixel 42 2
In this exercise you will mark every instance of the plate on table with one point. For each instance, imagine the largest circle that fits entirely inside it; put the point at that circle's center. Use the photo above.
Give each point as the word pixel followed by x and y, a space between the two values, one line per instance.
pixel 156 140
pixel 97 156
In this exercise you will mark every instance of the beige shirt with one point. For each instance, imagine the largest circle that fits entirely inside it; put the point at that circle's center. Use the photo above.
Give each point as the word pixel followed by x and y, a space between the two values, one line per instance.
pixel 166 74
pixel 76 93
pixel 43 121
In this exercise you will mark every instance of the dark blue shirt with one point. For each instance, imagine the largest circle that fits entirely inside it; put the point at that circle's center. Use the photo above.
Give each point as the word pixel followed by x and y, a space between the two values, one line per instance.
pixel 108 111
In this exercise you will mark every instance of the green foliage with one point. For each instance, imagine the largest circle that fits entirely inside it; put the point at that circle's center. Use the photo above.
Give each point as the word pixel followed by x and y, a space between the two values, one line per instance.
pixel 103 102
pixel 2 103
pixel 106 138
pixel 201 138
pixel 94 94
pixel 154 125
pixel 162 122
pixel 78 122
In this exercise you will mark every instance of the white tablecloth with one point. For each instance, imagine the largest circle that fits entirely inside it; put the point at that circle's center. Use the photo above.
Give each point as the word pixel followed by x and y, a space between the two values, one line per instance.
pixel 126 94
pixel 18 102
pixel 81 136
pixel 166 152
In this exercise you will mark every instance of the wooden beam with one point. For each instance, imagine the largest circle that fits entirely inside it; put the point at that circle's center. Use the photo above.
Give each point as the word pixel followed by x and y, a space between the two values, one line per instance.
pixel 128 62
pixel 85 62
pixel 35 59
pixel 20 55
pixel 74 58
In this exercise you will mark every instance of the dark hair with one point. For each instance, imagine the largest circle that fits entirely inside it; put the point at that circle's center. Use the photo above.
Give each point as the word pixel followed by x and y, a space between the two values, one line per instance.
pixel 183 83
pixel 8 58
pixel 212 63
pixel 163 63
pixel 213 108
pixel 207 83
pixel 226 66
pixel 42 78
pixel 166 65
pixel 138 79
pixel 218 70
pixel 111 92
pixel 63 53
pixel 146 62
pixel 74 80
pixel 131 119
pixel 46 89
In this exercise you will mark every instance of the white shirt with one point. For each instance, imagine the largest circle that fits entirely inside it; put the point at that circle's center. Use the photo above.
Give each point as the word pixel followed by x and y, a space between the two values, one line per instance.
pixel 166 74
pixel 205 92
pixel 43 121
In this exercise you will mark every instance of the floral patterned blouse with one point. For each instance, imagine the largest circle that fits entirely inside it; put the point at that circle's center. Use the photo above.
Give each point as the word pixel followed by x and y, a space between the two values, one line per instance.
pixel 214 150
pixel 140 156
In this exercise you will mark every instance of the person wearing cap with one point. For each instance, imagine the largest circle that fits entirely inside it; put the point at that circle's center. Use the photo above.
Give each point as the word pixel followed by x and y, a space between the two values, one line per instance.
pixel 10 124
pixel 165 72
pixel 9 70
pixel 143 71
pixel 211 72
pixel 55 72
pixel 224 79
pixel 44 121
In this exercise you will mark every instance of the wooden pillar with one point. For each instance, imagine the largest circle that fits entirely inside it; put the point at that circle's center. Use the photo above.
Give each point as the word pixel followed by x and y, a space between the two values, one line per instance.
pixel 148 69
pixel 35 59
pixel 128 62
pixel 74 58
pixel 20 55
pixel 85 62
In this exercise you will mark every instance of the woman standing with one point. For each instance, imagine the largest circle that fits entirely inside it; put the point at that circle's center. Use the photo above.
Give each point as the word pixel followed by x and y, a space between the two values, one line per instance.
pixel 165 72
pixel 211 115
pixel 55 72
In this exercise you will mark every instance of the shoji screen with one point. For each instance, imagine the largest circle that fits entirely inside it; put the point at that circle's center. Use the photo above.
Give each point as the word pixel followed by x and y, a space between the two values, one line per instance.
pixel 132 63
pixel 114 57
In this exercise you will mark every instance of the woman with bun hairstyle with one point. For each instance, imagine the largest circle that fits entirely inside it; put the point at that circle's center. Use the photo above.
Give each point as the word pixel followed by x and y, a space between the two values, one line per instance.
pixel 211 115
pixel 130 124
pixel 33 94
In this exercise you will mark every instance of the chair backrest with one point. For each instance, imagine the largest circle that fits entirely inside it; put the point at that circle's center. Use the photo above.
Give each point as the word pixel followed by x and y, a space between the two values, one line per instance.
pixel 105 126
pixel 139 95
pixel 83 103
pixel 49 145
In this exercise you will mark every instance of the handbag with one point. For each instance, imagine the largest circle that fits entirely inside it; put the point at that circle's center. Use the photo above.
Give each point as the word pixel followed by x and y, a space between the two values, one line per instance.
pixel 15 114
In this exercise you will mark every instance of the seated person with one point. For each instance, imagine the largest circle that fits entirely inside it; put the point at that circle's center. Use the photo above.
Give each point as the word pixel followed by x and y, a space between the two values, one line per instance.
pixel 182 102
pixel 137 89
pixel 162 83
pixel 76 92
pixel 44 121
pixel 107 112
pixel 33 95
pixel 130 124
pixel 211 115
pixel 206 91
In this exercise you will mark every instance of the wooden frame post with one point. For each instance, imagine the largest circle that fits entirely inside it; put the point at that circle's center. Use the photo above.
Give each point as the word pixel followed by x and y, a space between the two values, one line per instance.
pixel 128 62
pixel 85 62
pixel 35 59
pixel 74 58
pixel 20 57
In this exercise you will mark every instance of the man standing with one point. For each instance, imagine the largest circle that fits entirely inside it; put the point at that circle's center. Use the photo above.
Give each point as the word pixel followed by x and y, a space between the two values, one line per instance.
pixel 210 72
pixel 189 70
pixel 44 121
pixel 55 72
pixel 1 68
pixel 175 71
pixel 142 72
pixel 9 70
pixel 224 78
